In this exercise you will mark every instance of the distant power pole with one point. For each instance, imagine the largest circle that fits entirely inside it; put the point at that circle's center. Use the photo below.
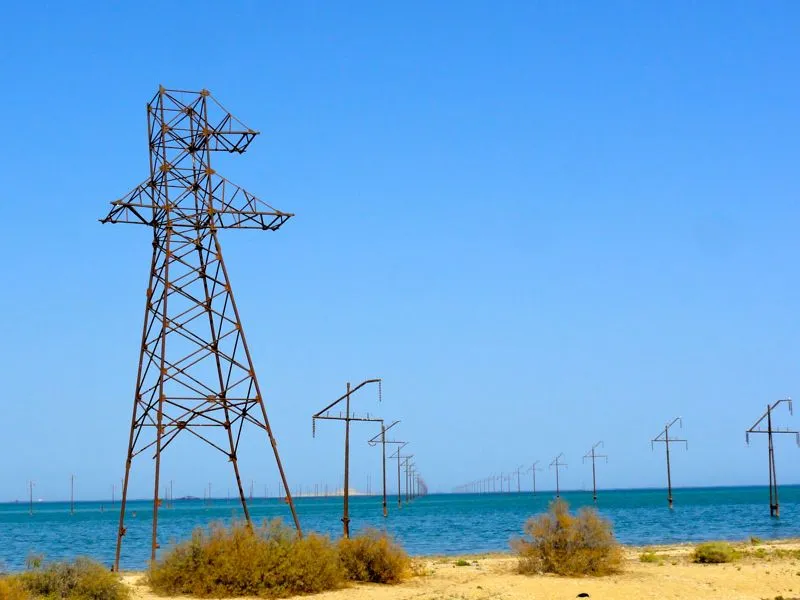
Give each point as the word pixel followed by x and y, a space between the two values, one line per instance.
pixel 519 486
pixel 591 454
pixel 400 446
pixel 557 466
pixel 533 470
pixel 383 441
pixel 30 490
pixel 664 437
pixel 774 505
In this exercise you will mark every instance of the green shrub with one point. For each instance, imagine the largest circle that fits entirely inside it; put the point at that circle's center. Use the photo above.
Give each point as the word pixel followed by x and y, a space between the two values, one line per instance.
pixel 755 541
pixel 715 552
pixel 373 557
pixel 565 544
pixel 461 563
pixel 11 589
pixel 648 556
pixel 268 561
pixel 81 579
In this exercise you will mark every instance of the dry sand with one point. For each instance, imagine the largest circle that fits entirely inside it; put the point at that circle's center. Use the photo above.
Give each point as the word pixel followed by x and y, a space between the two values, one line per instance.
pixel 494 576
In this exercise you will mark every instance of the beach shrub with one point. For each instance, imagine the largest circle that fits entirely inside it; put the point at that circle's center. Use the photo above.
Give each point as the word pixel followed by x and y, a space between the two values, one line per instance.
pixel 461 563
pixel 372 556
pixel 715 552
pixel 755 541
pixel 566 544
pixel 267 561
pixel 81 579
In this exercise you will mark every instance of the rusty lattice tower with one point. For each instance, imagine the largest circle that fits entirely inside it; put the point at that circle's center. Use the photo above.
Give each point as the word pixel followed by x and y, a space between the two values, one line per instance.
pixel 196 374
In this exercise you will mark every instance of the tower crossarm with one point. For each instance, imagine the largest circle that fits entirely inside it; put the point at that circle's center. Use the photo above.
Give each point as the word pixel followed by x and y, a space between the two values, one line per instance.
pixel 225 205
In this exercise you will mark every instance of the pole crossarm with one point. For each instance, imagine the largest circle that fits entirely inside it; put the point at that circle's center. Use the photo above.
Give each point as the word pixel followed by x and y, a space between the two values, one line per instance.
pixel 377 438
pixel 756 428
pixel 556 462
pixel 663 435
pixel 591 453
pixel 353 391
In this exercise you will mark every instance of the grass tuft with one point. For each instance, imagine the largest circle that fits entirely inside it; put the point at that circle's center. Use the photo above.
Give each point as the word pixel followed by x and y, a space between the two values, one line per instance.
pixel 715 553
pixel 268 561
pixel 648 556
pixel 11 588
pixel 374 557
pixel 566 544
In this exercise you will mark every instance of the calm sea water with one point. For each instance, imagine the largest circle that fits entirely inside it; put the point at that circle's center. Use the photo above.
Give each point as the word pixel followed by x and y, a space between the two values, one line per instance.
pixel 435 524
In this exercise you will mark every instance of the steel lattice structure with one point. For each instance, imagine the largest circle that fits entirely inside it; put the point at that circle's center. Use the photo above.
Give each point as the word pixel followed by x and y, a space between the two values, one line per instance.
pixel 195 373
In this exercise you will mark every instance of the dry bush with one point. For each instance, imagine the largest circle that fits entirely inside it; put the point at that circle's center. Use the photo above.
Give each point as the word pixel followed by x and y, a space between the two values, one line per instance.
pixel 715 552
pixel 11 588
pixel 373 557
pixel 648 556
pixel 566 544
pixel 268 561
pixel 81 579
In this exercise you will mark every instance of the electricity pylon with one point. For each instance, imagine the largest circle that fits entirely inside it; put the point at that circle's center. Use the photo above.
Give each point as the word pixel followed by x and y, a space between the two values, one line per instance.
pixel 774 505
pixel 347 418
pixel 195 372
pixel 591 454
pixel 664 437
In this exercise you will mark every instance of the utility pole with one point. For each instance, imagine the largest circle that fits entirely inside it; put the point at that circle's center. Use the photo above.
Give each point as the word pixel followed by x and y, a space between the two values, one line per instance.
pixel 407 466
pixel 664 437
pixel 30 489
pixel 383 442
pixel 347 418
pixel 519 486
pixel 774 505
pixel 557 466
pixel 591 454
pixel 533 470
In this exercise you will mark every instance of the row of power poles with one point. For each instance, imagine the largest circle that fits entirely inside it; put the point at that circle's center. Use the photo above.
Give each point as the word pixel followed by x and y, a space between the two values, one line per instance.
pixel 414 484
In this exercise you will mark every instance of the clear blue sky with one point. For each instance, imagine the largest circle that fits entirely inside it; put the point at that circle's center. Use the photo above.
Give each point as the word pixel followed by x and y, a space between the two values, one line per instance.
pixel 543 224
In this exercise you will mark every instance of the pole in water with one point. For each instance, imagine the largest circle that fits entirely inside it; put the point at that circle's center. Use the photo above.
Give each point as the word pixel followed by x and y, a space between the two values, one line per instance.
pixel 774 504
pixel 557 465
pixel 594 456
pixel 30 489
pixel 347 418
pixel 663 437
pixel 72 494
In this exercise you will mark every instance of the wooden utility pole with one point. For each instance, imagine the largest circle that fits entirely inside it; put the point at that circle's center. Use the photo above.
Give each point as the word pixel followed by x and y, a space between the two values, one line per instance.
pixel 593 455
pixel 557 465
pixel 347 418
pixel 664 437
pixel 774 505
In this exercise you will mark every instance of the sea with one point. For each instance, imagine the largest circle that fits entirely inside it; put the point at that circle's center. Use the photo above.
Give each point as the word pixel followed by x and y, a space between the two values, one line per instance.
pixel 436 524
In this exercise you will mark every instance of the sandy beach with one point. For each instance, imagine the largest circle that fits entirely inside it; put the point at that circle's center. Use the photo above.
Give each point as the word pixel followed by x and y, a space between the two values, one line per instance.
pixel 766 571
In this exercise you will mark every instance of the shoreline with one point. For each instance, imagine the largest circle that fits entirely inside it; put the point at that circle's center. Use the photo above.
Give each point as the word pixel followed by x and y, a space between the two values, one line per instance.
pixel 766 570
